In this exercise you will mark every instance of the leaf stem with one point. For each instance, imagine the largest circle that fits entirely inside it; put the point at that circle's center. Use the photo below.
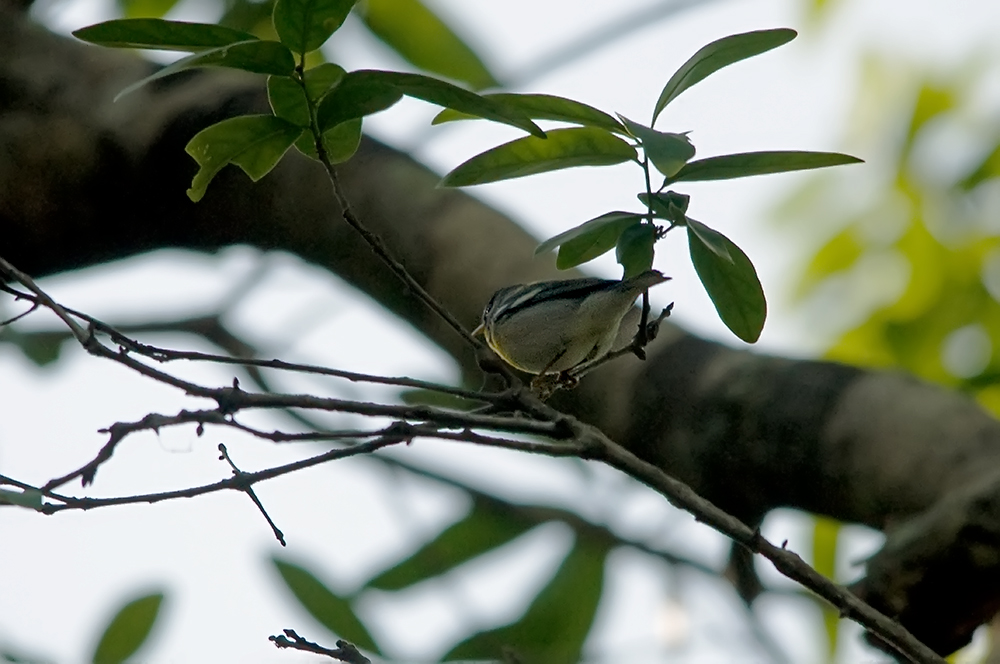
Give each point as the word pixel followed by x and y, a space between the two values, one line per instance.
pixel 373 240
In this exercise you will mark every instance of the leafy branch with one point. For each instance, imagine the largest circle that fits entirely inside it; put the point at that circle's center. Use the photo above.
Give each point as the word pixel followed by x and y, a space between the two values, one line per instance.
pixel 320 112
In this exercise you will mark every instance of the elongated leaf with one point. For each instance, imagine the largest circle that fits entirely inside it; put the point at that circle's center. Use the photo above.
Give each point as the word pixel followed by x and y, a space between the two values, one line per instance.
pixel 340 142
pixel 988 168
pixel 304 25
pixel 288 100
pixel 42 348
pixel 160 34
pixel 259 57
pixel 357 95
pixel 320 80
pixel 712 239
pixel 255 143
pixel 668 152
pixel 367 91
pixel 746 164
pixel 145 8
pixel 732 285
pixel 423 39
pixel 329 609
pixel 250 15
pixel 545 107
pixel 668 205
pixel 598 240
pixel 635 249
pixel 554 628
pixel 564 148
pixel 825 535
pixel 597 223
pixel 128 630
pixel 721 53
pixel 485 528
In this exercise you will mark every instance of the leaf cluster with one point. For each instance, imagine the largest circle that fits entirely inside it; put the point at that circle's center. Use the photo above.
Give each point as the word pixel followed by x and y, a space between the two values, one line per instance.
pixel 726 272
pixel 320 109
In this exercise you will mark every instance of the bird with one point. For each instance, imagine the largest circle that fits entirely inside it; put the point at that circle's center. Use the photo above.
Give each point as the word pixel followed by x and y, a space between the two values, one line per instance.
pixel 555 326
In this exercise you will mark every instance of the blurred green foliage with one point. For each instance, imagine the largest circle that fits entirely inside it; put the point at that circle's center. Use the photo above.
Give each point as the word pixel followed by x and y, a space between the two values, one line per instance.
pixel 910 267
pixel 909 270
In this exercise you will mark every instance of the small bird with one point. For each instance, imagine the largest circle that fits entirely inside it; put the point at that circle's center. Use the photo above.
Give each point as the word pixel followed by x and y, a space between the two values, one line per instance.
pixel 554 326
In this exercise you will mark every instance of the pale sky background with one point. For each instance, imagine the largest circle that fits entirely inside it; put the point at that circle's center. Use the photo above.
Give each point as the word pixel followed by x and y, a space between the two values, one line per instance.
pixel 62 576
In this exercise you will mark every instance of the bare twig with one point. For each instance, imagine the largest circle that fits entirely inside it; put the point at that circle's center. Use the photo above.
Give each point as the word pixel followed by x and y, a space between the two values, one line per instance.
pixel 118 431
pixel 787 562
pixel 237 483
pixel 206 327
pixel 345 652
pixel 14 319
pixel 13 273
pixel 253 495
pixel 534 417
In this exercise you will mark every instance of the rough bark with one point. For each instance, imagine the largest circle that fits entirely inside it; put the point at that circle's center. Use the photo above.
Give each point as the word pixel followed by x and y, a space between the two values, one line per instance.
pixel 85 181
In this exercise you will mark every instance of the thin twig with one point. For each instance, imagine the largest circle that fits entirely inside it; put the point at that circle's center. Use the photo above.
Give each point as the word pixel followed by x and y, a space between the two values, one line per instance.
pixel 538 418
pixel 345 652
pixel 233 483
pixel 191 325
pixel 373 240
pixel 786 561
pixel 81 335
pixel 253 495
pixel 33 308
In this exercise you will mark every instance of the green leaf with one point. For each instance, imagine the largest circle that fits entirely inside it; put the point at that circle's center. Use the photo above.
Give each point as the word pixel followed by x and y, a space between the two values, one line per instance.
pixel 255 143
pixel 485 528
pixel 329 609
pixel 29 498
pixel 746 164
pixel 586 228
pixel 988 168
pixel 668 152
pixel 732 285
pixel 250 15
pixel 42 348
pixel 712 239
pixel 128 630
pixel 635 249
pixel 304 25
pixel 721 53
pixel 367 91
pixel 288 100
pixel 145 8
pixel 259 57
pixel 424 40
pixel 555 626
pixel 564 148
pixel 160 34
pixel 545 107
pixel 340 142
pixel 356 96
pixel 668 205
pixel 321 79
pixel 825 535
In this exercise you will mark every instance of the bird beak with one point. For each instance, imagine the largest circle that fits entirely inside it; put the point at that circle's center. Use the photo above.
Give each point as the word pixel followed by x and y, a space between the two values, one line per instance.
pixel 478 332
